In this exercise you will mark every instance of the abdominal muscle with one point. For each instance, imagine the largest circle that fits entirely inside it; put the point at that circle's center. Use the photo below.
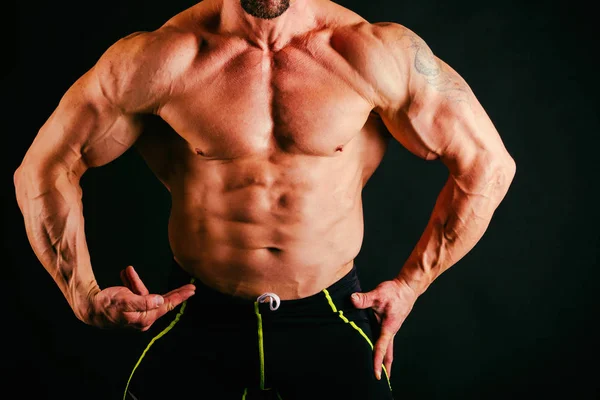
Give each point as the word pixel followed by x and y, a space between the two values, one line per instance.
pixel 291 224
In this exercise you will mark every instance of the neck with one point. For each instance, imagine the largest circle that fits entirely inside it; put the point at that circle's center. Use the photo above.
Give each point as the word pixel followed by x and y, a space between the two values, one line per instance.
pixel 268 33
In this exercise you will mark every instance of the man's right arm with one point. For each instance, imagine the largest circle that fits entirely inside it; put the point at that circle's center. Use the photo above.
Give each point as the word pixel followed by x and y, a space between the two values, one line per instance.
pixel 96 121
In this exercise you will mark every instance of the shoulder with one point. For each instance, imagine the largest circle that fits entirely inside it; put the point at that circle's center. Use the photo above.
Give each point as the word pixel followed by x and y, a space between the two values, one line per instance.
pixel 381 53
pixel 164 47
pixel 362 40
pixel 141 66
pixel 178 37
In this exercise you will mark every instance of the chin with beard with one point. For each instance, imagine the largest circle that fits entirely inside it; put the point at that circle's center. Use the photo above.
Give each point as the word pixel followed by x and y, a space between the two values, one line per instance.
pixel 265 9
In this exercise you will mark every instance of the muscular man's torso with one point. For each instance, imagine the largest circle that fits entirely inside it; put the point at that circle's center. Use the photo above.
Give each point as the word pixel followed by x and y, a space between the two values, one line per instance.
pixel 265 154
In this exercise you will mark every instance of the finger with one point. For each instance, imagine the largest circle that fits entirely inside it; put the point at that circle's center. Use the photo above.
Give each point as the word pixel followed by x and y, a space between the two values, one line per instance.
pixel 172 300
pixel 362 300
pixel 380 349
pixel 388 358
pixel 141 304
pixel 137 286
pixel 188 286
pixel 178 296
pixel 125 280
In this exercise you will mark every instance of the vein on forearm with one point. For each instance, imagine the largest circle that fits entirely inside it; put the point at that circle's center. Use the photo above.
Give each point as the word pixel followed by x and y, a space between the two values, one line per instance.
pixel 51 203
pixel 459 219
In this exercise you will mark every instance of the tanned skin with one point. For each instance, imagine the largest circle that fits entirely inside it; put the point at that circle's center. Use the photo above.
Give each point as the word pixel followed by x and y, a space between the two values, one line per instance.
pixel 271 129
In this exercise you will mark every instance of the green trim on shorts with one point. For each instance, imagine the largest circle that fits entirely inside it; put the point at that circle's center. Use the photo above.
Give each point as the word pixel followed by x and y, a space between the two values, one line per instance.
pixel 261 351
pixel 161 334
pixel 356 327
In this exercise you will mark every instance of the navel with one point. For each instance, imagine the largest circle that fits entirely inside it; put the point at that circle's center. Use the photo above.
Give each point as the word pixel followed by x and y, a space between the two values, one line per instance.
pixel 339 148
pixel 274 250
pixel 199 152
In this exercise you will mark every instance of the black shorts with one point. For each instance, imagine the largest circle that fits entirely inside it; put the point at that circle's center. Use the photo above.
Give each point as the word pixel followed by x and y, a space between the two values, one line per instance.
pixel 217 346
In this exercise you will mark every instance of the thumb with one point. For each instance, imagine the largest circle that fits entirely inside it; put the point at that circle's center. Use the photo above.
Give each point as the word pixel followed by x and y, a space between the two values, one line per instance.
pixel 361 300
pixel 155 301
pixel 138 303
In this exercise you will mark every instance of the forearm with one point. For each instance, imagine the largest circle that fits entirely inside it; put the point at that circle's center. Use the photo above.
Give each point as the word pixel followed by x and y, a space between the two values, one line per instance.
pixel 51 203
pixel 461 215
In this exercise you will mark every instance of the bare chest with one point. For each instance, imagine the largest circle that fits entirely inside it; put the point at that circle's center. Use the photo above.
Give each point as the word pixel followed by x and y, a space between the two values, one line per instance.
pixel 255 101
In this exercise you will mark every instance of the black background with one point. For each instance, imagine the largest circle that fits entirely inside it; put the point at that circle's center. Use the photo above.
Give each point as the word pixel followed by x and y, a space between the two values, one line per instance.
pixel 514 319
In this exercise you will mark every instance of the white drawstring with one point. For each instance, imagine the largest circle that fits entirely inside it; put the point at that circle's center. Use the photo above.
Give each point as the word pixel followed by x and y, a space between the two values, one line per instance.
pixel 274 300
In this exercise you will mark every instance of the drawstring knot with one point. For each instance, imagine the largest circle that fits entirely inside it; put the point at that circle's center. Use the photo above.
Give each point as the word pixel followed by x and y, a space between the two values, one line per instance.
pixel 274 300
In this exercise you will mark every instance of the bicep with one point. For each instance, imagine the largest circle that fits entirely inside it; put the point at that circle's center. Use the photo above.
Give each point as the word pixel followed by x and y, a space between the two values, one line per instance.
pixel 84 130
pixel 441 117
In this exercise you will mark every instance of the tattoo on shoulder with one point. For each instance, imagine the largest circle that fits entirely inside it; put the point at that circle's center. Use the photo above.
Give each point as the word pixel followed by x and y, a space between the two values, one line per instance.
pixel 437 73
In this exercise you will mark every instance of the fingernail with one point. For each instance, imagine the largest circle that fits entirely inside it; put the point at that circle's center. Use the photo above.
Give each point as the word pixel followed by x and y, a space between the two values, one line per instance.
pixel 378 375
pixel 355 296
pixel 159 301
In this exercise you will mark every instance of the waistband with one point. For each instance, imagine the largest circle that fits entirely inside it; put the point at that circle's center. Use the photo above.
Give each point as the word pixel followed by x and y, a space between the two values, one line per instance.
pixel 338 293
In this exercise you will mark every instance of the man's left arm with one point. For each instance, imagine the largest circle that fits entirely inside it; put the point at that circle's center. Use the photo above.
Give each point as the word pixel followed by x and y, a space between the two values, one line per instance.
pixel 430 110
